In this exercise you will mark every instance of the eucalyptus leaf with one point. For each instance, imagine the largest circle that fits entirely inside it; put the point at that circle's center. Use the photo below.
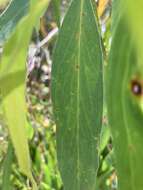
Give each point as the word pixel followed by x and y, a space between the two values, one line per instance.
pixel 125 106
pixel 77 95
pixel 7 168
pixel 15 10
pixel 14 61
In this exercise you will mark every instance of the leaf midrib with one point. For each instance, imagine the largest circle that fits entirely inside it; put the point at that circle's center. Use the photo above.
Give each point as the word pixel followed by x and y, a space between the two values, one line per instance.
pixel 78 93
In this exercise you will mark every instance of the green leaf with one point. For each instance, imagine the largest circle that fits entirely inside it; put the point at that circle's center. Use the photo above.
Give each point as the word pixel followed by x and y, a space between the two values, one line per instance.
pixel 56 10
pixel 11 16
pixel 125 106
pixel 13 62
pixel 77 95
pixel 7 168
pixel 10 82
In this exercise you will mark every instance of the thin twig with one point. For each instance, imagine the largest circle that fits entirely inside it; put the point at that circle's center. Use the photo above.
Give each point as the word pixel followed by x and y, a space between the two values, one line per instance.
pixel 48 37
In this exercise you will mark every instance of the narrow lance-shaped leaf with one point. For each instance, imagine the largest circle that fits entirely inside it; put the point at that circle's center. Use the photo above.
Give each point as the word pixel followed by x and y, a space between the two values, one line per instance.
pixel 7 168
pixel 77 92
pixel 13 62
pixel 11 16
pixel 125 106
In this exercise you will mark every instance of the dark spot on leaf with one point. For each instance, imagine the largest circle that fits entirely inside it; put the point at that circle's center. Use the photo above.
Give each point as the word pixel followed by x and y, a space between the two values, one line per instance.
pixel 77 67
pixel 83 14
pixel 136 87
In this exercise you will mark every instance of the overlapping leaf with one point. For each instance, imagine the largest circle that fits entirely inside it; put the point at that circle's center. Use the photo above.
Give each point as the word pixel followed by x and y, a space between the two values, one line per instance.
pixel 10 17
pixel 125 79
pixel 7 168
pixel 13 99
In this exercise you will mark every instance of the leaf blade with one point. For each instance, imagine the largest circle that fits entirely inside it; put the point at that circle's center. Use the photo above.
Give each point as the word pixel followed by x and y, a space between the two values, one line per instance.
pixel 125 113
pixel 13 64
pixel 76 75
pixel 11 16
pixel 7 168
